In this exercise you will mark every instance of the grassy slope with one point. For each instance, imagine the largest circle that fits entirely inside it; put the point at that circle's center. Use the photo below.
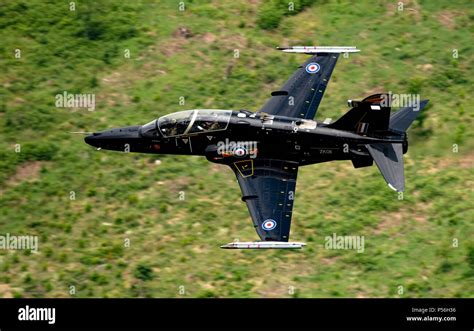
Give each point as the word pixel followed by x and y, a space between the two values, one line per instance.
pixel 175 243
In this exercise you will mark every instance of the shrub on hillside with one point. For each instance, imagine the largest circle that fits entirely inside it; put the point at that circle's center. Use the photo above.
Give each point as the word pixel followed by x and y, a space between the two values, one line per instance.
pixel 272 12
pixel 143 272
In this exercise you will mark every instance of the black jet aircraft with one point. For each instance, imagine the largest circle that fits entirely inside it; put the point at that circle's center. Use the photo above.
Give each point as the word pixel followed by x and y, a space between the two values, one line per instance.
pixel 265 149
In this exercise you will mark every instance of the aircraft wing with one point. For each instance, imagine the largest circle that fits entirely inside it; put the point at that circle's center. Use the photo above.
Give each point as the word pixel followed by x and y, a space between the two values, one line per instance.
pixel 268 189
pixel 302 93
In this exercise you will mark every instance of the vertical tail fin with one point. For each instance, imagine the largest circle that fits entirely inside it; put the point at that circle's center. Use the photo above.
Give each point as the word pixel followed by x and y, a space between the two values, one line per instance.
pixel 366 116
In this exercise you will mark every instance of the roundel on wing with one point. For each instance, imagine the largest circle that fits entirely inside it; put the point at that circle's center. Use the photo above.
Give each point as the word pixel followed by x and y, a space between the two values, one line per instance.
pixel 269 224
pixel 312 68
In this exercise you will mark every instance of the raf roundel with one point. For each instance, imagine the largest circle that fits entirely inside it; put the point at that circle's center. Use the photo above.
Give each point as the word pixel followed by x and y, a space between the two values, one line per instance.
pixel 240 152
pixel 312 68
pixel 269 225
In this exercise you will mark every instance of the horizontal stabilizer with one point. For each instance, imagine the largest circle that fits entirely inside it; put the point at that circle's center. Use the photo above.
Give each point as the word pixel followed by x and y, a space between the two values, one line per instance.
pixel 319 49
pixel 389 160
pixel 264 245
pixel 402 119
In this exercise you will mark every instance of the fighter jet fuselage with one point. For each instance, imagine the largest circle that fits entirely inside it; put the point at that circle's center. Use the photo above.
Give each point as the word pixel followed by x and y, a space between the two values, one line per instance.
pixel 266 148
pixel 243 135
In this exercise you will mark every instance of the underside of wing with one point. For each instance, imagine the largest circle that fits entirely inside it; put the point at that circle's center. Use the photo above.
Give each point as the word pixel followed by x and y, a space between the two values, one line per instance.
pixel 268 189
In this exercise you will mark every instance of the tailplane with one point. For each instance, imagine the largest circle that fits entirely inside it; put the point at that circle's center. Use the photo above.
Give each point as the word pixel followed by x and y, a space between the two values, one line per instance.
pixel 371 117
pixel 389 160
pixel 402 119
pixel 389 157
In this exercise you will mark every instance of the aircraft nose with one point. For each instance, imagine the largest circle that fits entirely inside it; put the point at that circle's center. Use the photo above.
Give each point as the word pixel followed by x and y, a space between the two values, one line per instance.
pixel 92 139
pixel 113 139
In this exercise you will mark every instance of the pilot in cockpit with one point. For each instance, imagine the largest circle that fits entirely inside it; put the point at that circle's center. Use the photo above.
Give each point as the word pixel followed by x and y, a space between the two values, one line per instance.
pixel 212 124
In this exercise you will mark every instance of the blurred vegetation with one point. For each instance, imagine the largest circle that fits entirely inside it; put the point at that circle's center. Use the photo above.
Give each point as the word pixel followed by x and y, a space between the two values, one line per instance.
pixel 271 12
pixel 84 204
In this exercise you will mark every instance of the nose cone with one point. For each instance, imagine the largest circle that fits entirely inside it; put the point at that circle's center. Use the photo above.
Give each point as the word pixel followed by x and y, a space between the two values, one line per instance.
pixel 88 139
pixel 92 140
pixel 115 139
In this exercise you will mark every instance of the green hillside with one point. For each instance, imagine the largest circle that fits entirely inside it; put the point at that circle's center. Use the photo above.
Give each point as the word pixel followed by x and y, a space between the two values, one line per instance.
pixel 425 48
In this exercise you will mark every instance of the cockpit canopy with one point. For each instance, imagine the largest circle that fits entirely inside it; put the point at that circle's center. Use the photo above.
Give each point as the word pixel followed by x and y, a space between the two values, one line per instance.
pixel 188 122
pixel 194 122
pixel 175 124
